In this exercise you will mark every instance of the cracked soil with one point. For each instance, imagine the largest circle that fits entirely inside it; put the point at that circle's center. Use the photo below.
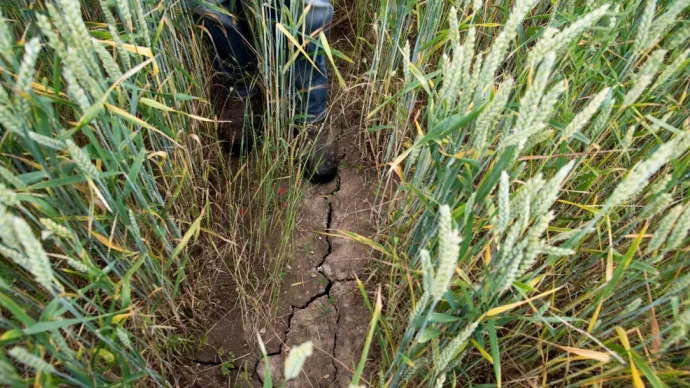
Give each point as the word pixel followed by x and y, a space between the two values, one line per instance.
pixel 319 299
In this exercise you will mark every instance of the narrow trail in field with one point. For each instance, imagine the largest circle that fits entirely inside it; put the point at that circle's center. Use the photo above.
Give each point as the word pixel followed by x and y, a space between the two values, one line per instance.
pixel 318 300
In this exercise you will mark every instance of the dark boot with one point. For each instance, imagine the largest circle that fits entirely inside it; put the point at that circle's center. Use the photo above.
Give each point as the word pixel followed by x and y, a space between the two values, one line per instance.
pixel 321 163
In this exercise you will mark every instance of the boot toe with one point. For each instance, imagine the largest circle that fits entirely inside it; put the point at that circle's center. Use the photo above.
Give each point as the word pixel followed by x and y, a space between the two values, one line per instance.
pixel 322 170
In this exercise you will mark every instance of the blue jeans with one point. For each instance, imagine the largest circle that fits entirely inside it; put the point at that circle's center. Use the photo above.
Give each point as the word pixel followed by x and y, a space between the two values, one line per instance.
pixel 232 41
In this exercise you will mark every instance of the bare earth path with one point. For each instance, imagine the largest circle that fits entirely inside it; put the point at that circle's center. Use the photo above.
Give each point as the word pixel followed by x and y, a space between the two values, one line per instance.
pixel 327 307
pixel 319 300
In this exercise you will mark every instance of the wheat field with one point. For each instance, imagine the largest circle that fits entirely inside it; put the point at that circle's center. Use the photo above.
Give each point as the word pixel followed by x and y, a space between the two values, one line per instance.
pixel 533 184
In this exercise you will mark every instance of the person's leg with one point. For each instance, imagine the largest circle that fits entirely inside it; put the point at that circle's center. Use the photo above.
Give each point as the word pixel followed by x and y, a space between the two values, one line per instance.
pixel 230 37
pixel 312 85
pixel 238 103
pixel 312 78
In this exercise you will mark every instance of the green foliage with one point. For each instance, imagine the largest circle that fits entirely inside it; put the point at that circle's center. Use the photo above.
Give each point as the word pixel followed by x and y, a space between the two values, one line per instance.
pixel 555 138
pixel 90 178
pixel 228 362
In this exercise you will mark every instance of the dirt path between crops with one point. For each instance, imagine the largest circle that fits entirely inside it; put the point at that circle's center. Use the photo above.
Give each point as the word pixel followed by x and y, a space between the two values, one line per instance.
pixel 319 299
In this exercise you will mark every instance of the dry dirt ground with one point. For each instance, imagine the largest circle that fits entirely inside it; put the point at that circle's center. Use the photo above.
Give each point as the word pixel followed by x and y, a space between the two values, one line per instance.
pixel 319 299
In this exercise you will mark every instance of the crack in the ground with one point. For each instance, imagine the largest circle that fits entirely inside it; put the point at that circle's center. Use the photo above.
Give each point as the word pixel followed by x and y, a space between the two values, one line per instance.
pixel 329 224
pixel 326 291
pixel 207 363
pixel 335 342
pixel 329 286
pixel 314 297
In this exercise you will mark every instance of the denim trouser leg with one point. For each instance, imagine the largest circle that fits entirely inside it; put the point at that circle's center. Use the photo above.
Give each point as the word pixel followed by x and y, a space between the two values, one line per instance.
pixel 232 44
pixel 312 82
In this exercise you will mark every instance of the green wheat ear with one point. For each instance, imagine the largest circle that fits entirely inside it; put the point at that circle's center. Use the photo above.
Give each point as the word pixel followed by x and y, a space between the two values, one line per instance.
pixel 501 43
pixel 407 73
pixel 123 6
pixel 644 77
pixel 6 40
pixel 680 231
pixel 656 206
pixel 77 265
pixel 109 64
pixel 556 41
pixel 296 358
pixel 24 357
pixel 448 249
pixel 490 116
pixel 56 228
pixel 582 118
pixel 448 353
pixel 664 228
pixel 680 285
pixel 638 178
pixel 678 37
pixel 477 5
pixel 38 263
pixel 665 22
pixel 123 336
pixel 453 27
pixel 549 192
pixel 503 203
pixel 671 69
pixel 428 269
pixel 12 179
pixel 440 381
pixel 25 75
pixel 81 159
pixel 7 196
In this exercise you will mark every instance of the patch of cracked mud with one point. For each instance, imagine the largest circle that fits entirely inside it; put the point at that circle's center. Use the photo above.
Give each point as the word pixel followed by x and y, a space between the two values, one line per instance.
pixel 319 300
pixel 328 310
